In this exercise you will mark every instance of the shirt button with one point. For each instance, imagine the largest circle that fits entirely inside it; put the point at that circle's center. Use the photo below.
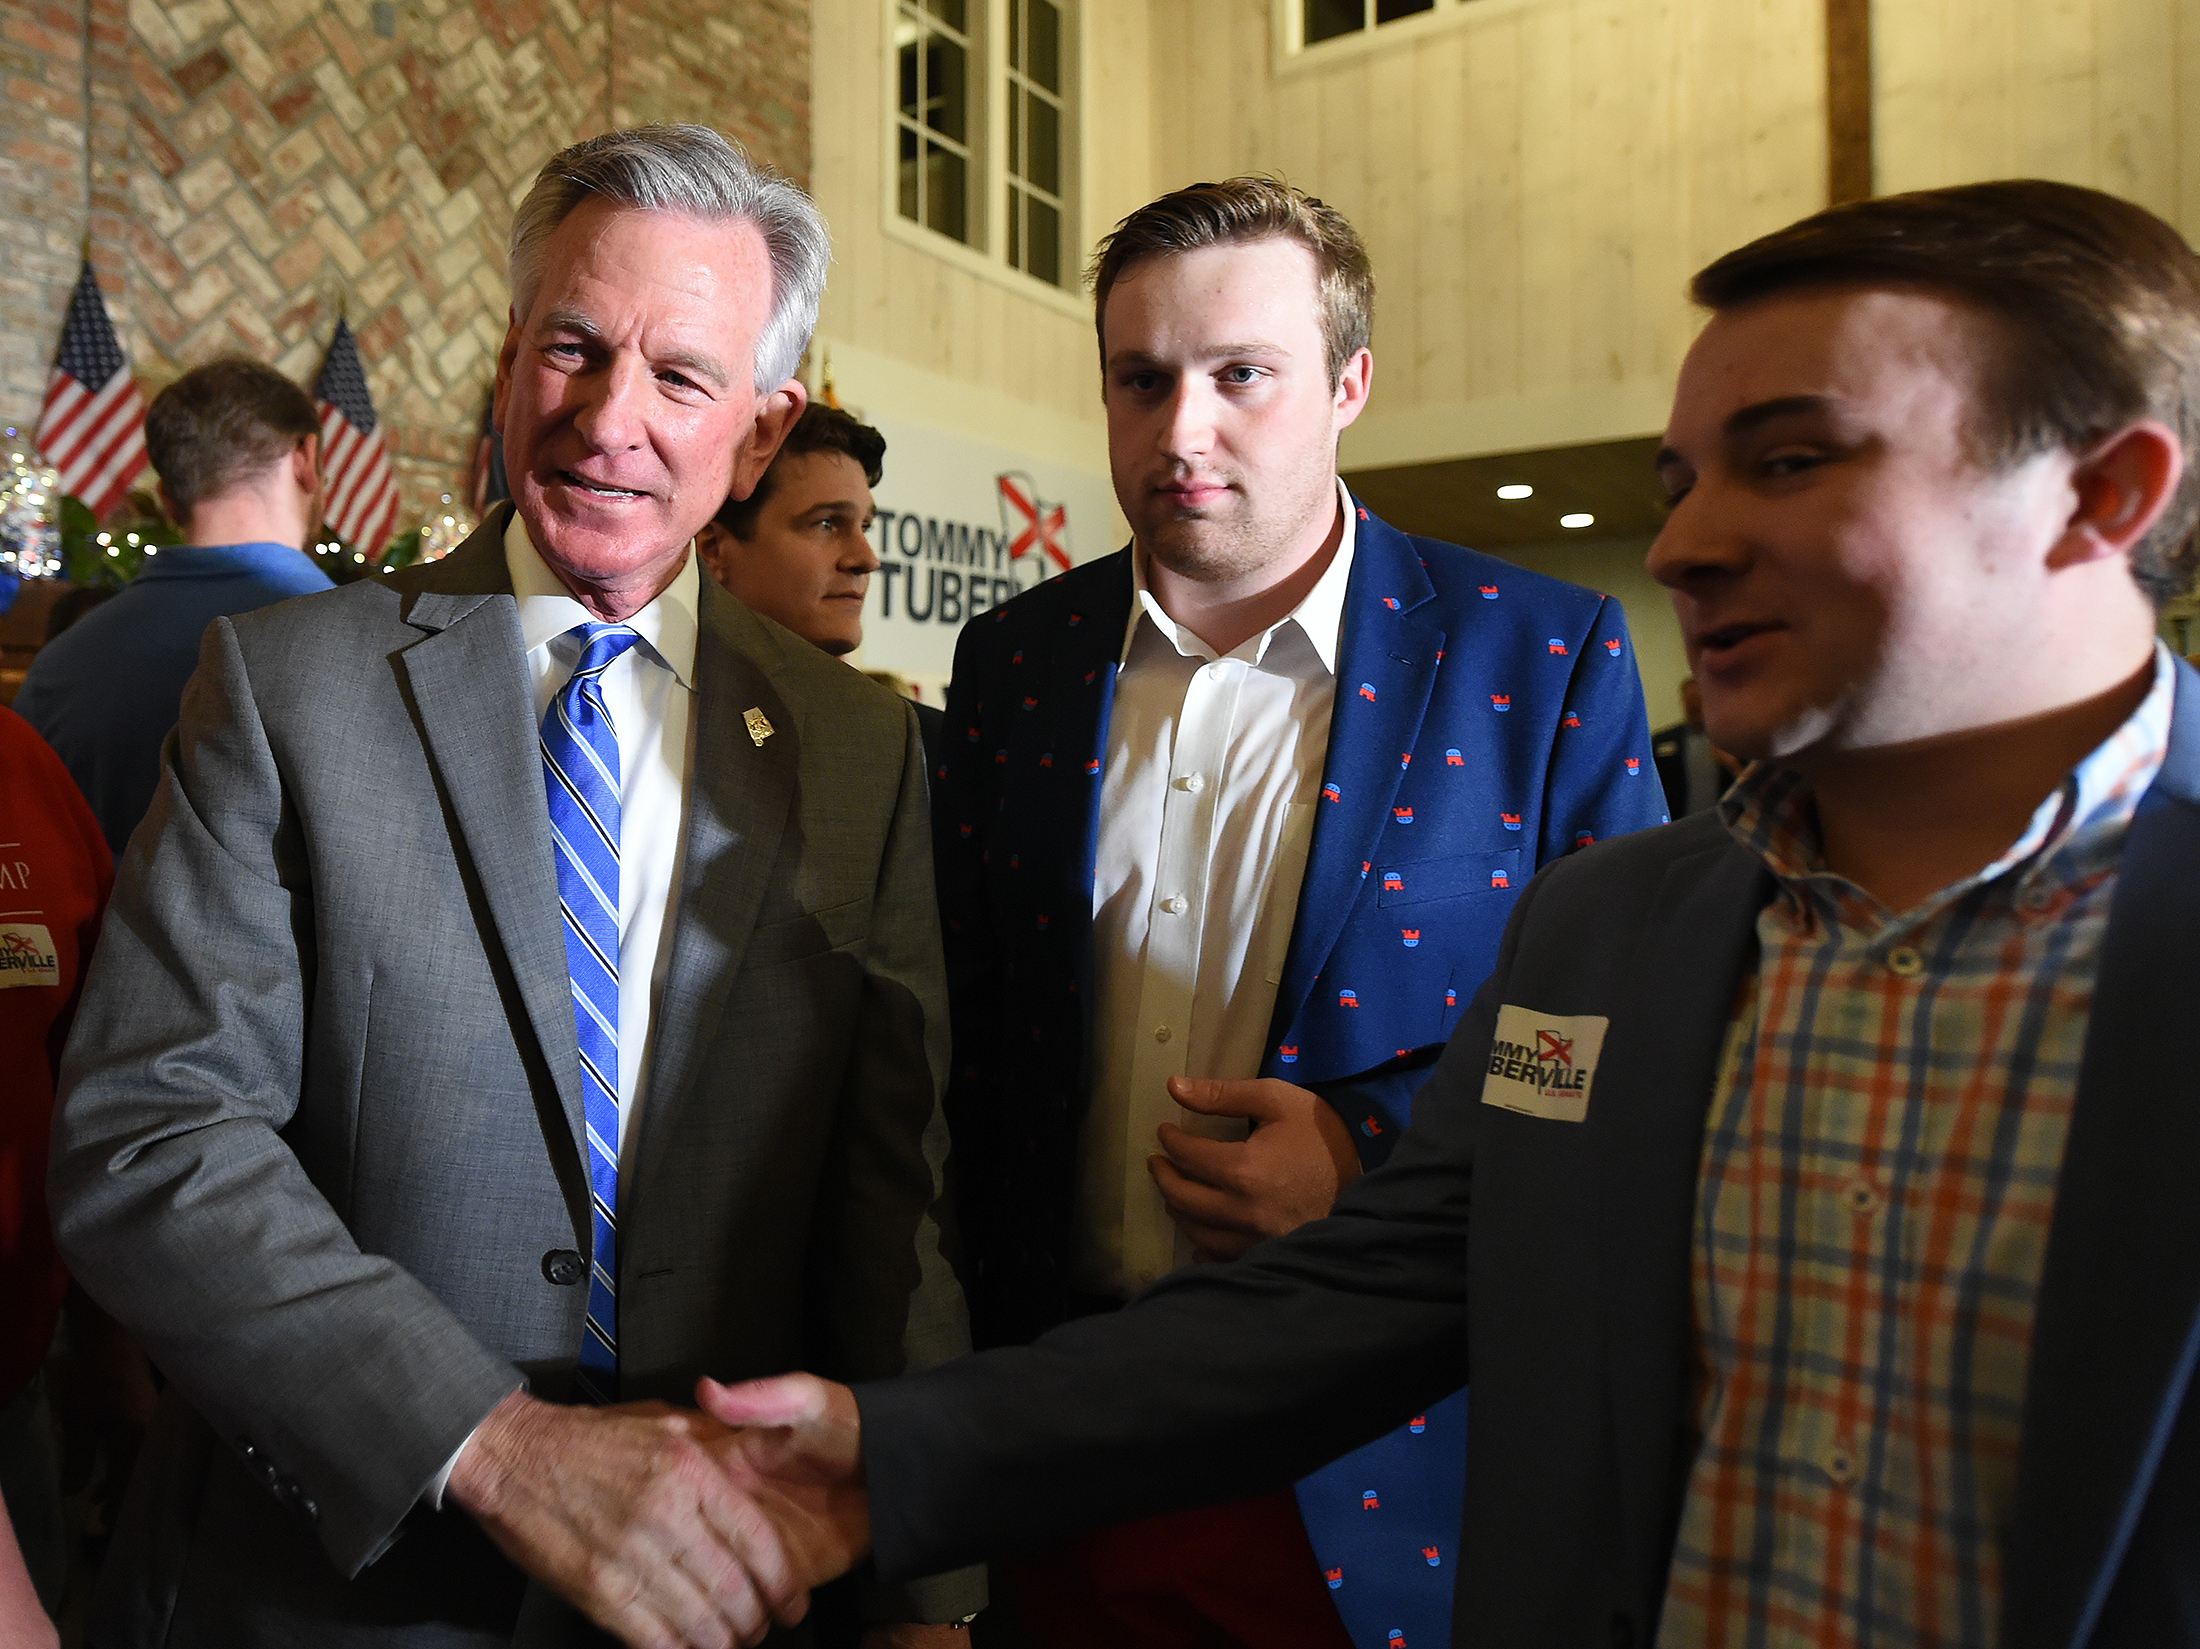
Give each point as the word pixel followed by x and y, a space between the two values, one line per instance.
pixel 2038 898
pixel 1147 1277
pixel 1905 961
pixel 1193 782
pixel 1176 904
pixel 1861 1196
pixel 1161 1033
pixel 1838 1463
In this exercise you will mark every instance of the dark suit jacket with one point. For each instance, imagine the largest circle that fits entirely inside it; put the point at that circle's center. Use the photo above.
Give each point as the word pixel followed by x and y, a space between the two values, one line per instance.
pixel 1488 720
pixel 318 1136
pixel 1549 1263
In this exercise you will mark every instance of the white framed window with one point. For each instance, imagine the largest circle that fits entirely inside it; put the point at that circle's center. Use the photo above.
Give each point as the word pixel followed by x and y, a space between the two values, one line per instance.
pixel 1313 30
pixel 934 128
pixel 985 133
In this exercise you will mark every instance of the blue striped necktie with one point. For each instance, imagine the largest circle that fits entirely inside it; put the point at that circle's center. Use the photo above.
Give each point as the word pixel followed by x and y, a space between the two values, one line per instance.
pixel 580 769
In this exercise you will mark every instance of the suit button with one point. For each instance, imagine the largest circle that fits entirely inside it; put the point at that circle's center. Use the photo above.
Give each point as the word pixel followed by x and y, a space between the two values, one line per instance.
pixel 564 1267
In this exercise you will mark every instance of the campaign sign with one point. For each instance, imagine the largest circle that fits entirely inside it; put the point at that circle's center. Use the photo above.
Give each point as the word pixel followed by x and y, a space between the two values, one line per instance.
pixel 963 527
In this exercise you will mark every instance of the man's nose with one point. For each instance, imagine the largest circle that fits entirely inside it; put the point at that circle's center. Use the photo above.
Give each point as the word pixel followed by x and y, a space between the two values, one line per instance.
pixel 1701 538
pixel 611 401
pixel 1191 427
pixel 858 556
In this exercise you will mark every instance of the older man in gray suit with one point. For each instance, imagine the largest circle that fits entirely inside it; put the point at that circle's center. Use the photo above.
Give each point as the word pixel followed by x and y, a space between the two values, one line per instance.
pixel 523 998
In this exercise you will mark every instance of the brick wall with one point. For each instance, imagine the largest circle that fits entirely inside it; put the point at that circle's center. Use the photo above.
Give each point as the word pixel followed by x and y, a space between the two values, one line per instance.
pixel 259 165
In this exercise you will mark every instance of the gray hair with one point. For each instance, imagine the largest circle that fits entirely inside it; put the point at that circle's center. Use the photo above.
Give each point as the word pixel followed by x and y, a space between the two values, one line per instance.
pixel 694 170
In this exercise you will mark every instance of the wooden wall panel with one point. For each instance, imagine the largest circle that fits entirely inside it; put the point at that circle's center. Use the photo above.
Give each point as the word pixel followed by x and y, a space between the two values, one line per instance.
pixel 2098 92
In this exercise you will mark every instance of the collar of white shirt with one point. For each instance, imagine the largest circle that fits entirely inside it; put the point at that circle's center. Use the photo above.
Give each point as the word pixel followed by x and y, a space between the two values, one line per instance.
pixel 1320 614
pixel 547 609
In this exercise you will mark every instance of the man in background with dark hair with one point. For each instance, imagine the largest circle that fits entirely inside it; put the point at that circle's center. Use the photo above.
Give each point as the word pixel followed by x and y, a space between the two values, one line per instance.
pixel 798 548
pixel 1808 1197
pixel 237 448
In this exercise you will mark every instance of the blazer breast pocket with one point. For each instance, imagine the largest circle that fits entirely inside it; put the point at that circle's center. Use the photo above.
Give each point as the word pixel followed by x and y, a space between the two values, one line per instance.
pixel 1454 876
pixel 806 935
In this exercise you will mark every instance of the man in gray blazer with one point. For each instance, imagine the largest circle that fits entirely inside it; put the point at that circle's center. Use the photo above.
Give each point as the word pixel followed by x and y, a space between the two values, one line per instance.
pixel 524 998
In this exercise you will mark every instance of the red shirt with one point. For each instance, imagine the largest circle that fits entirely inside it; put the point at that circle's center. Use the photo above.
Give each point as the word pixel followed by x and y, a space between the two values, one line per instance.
pixel 55 874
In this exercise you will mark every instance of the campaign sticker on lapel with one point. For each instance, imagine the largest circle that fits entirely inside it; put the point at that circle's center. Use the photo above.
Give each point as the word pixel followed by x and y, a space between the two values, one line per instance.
pixel 1542 1064
pixel 27 956
pixel 759 728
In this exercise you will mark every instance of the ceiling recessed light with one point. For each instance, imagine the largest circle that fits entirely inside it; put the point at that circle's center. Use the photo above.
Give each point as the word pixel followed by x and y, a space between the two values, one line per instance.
pixel 1577 520
pixel 1516 490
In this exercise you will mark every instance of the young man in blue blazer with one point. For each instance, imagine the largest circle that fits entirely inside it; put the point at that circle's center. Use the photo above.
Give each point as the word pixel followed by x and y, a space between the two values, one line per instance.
pixel 1808 1195
pixel 1251 798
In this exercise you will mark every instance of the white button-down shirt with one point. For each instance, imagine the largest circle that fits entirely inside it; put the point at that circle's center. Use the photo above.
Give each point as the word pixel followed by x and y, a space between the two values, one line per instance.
pixel 1214 767
pixel 650 691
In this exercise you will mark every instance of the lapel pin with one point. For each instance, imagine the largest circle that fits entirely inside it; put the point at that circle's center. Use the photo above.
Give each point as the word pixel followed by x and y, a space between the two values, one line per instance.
pixel 759 728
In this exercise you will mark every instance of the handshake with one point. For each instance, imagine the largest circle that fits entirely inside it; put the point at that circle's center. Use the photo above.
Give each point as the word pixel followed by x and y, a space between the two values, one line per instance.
pixel 673 1528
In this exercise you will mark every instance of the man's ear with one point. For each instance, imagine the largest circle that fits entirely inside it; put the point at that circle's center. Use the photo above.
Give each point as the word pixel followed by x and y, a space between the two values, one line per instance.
pixel 713 545
pixel 1354 384
pixel 305 464
pixel 775 416
pixel 2122 486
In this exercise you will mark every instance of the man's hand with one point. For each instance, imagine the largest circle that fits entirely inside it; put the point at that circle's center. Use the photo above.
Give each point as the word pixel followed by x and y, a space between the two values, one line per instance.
pixel 632 1514
pixel 1227 1195
pixel 800 1455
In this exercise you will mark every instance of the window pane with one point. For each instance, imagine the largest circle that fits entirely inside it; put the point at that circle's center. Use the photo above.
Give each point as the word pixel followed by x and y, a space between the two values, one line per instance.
pixel 1046 243
pixel 949 12
pixel 1389 11
pixel 1046 44
pixel 907 179
pixel 1015 34
pixel 1015 124
pixel 945 206
pixel 1045 138
pixel 946 90
pixel 911 87
pixel 1326 19
pixel 1015 228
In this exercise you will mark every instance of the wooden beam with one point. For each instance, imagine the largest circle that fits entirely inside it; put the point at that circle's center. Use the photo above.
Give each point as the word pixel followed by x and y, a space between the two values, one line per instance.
pixel 1848 100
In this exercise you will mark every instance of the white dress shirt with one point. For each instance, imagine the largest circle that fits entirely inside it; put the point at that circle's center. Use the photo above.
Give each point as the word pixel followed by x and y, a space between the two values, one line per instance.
pixel 1214 767
pixel 650 692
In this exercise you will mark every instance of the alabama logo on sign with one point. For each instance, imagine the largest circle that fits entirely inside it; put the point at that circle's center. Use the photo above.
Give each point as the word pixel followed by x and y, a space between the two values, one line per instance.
pixel 1030 523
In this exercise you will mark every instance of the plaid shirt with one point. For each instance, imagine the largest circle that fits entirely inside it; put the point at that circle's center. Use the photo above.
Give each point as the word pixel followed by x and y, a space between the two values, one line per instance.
pixel 1879 1168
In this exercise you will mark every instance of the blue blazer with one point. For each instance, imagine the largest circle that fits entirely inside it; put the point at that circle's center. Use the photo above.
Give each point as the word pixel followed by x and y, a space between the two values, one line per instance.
pixel 1548 1261
pixel 1488 720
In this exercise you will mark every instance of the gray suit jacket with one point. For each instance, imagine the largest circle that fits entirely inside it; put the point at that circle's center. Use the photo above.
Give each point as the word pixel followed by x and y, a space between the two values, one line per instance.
pixel 320 1119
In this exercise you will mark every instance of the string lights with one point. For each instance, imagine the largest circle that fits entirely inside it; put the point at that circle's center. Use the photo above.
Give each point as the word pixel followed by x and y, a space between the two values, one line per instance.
pixel 30 513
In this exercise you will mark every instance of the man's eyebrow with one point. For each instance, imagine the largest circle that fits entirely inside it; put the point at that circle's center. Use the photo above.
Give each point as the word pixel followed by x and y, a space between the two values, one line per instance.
pixel 1204 352
pixel 1764 412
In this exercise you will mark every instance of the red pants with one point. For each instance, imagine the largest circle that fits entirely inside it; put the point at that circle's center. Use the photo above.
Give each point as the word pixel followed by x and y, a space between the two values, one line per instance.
pixel 1240 1576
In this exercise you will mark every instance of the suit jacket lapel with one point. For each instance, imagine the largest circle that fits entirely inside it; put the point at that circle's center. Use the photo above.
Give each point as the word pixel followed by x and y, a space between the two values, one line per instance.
pixel 1659 1064
pixel 2117 1325
pixel 1386 670
pixel 1081 672
pixel 739 796
pixel 466 686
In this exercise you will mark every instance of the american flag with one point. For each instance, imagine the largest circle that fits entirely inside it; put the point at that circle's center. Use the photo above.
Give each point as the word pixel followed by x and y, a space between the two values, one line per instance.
pixel 92 425
pixel 362 492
